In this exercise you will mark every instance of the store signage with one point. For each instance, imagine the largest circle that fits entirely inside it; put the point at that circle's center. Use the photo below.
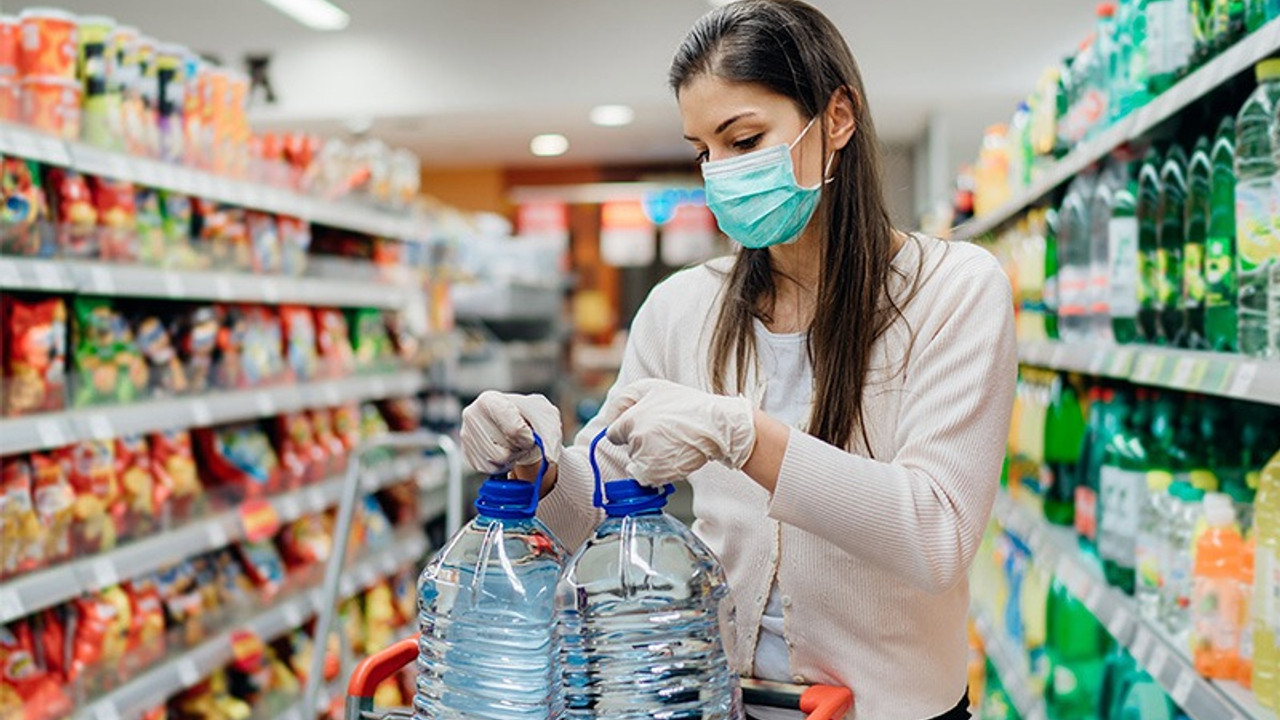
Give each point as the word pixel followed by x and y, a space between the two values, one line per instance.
pixel 627 237
pixel 545 219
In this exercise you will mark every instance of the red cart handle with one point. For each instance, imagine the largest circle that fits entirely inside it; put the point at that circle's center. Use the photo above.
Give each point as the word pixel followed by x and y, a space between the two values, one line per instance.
pixel 371 671
pixel 825 702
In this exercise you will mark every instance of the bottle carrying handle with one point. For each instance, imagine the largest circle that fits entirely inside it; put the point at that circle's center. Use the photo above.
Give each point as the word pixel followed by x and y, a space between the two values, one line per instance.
pixel 542 472
pixel 597 498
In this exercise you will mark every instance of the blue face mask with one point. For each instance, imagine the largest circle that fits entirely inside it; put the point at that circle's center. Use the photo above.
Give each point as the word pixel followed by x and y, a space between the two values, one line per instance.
pixel 756 199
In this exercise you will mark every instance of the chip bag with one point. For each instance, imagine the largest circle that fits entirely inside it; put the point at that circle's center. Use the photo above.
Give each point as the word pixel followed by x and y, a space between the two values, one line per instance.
pixel 74 214
pixel 23 539
pixel 149 220
pixel 173 463
pixel 117 219
pixel 35 352
pixel 333 339
pixel 55 503
pixel 145 501
pixel 300 341
pixel 98 508
pixel 24 212
pixel 197 341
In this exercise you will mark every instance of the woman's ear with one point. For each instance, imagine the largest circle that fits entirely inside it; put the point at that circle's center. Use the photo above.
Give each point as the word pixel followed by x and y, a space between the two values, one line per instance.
pixel 840 118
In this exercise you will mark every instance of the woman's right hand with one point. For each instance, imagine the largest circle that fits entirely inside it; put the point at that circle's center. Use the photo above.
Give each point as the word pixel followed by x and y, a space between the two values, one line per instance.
pixel 498 428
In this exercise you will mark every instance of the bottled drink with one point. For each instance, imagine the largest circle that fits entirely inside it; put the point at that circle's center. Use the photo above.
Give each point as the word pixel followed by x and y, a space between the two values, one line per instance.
pixel 1063 441
pixel 1220 245
pixel 1077 646
pixel 1074 247
pixel 1123 263
pixel 1228 23
pixel 1169 42
pixel 1122 492
pixel 1106 407
pixel 1099 291
pixel 1259 12
pixel 486 609
pixel 1196 227
pixel 1187 509
pixel 1150 552
pixel 1051 286
pixel 1266 574
pixel 1257 242
pixel 639 606
pixel 1148 245
pixel 1171 217
pixel 1217 592
pixel 1202 21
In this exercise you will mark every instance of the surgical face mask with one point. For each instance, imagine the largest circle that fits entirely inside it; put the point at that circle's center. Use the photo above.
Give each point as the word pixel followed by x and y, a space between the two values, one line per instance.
pixel 756 199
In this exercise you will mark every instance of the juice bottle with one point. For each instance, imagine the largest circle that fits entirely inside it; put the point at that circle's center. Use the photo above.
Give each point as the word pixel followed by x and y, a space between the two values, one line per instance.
pixel 1257 242
pixel 1063 442
pixel 1244 672
pixel 1123 273
pixel 1266 584
pixel 1216 595
pixel 1196 228
pixel 1122 493
pixel 1220 245
pixel 1171 217
pixel 1148 245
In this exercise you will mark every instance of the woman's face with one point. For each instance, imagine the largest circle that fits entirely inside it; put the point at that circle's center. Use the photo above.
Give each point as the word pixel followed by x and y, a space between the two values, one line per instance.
pixel 724 119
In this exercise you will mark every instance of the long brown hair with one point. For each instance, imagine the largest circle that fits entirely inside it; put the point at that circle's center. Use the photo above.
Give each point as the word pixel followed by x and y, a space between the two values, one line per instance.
pixel 791 48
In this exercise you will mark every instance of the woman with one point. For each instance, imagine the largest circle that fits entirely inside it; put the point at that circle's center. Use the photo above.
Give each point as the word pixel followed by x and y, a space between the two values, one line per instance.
pixel 837 394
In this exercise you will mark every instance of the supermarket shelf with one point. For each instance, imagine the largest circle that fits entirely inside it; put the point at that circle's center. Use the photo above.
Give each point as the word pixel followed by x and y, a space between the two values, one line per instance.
pixel 27 434
pixel 26 143
pixel 1211 373
pixel 154 686
pixel 1149 644
pixel 506 303
pixel 1237 59
pixel 338 687
pixel 115 280
pixel 35 591
pixel 1011 665
pixel 509 367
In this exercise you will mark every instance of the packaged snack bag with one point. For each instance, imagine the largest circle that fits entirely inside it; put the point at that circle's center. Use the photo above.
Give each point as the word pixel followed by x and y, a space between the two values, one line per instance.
pixel 239 457
pixel 117 219
pixel 145 501
pixel 306 542
pixel 50 630
pixel 301 459
pixel 23 536
pixel 236 588
pixel 55 503
pixel 173 463
pixel 233 333
pixel 99 508
pixel 328 443
pixel 94 620
pixel 35 351
pixel 263 565
pixel 108 364
pixel 183 602
pixel 402 414
pixel 300 342
pixel 372 424
pixel 176 209
pixel 147 627
pixel 166 375
pixel 149 220
pixel 197 333
pixel 115 643
pixel 295 240
pixel 27 690
pixel 346 425
pixel 378 531
pixel 262 347
pixel 75 215
pixel 264 239
pixel 369 339
pixel 333 339
pixel 24 210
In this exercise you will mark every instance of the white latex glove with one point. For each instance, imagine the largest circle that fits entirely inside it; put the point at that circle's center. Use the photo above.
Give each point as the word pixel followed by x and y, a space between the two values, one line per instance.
pixel 498 428
pixel 671 430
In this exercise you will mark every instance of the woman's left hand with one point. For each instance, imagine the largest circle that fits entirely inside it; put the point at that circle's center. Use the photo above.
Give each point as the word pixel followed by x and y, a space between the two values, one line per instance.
pixel 671 430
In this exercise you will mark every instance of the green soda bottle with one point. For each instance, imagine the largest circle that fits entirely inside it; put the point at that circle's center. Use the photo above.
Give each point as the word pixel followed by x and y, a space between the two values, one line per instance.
pixel 1064 428
pixel 1257 13
pixel 1077 647
pixel 1171 216
pixel 1220 322
pixel 1202 31
pixel 1051 274
pixel 1228 23
pixel 1257 241
pixel 1122 492
pixel 1169 40
pixel 1148 245
pixel 1199 190
pixel 1124 276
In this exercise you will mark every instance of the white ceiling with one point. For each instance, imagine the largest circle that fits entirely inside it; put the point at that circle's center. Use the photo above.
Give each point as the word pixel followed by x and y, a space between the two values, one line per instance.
pixel 468 82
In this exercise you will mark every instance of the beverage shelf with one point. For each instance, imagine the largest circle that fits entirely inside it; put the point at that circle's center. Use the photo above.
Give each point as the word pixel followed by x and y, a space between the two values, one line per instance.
pixel 1011 666
pixel 22 142
pixel 37 432
pixel 1223 374
pixel 1163 658
pixel 121 280
pixel 35 591
pixel 154 686
pixel 1237 59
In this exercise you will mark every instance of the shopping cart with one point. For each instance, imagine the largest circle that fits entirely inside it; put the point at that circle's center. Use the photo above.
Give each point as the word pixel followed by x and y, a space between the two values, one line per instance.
pixel 820 702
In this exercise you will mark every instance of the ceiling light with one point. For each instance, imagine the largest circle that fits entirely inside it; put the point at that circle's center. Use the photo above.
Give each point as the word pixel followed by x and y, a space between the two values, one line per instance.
pixel 315 14
pixel 549 145
pixel 612 115
pixel 720 3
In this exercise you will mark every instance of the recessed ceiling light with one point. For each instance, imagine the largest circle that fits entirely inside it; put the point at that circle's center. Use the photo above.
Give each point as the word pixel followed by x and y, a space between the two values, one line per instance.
pixel 549 145
pixel 612 115
pixel 315 14
pixel 720 3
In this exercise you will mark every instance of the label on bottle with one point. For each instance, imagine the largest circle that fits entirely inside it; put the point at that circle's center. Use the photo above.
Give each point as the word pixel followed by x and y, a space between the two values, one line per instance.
pixel 1074 287
pixel 1219 272
pixel 1086 515
pixel 1149 554
pixel 1120 498
pixel 1122 266
pixel 1264 560
pixel 1193 280
pixel 1256 241
pixel 1166 291
pixel 1146 278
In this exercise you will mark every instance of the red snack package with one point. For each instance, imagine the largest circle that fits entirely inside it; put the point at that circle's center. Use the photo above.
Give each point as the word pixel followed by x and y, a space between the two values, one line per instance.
pixel 402 414
pixel 144 500
pixel 301 457
pixel 305 542
pixel 346 425
pixel 117 219
pixel 327 443
pixel 173 464
pixel 55 503
pixel 35 354
pixel 146 629
pixel 21 537
pixel 99 509
pixel 93 621
pixel 239 457
pixel 74 214
pixel 333 340
pixel 50 627
pixel 39 694
pixel 119 620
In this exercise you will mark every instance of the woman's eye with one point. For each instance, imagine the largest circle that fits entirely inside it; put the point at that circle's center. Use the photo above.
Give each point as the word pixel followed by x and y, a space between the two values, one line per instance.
pixel 702 157
pixel 748 143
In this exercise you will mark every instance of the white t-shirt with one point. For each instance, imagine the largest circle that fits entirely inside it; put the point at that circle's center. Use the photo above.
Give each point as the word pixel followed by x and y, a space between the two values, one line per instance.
pixel 788 398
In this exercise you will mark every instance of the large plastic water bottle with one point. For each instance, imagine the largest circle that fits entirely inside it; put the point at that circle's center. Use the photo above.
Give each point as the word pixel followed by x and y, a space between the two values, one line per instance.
pixel 639 607
pixel 486 610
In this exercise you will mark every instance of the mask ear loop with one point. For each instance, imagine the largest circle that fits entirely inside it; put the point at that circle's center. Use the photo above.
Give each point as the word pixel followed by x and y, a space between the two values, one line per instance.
pixel 827 177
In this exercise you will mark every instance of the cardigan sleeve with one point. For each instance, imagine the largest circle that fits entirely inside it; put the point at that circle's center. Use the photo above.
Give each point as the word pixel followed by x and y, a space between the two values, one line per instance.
pixel 921 513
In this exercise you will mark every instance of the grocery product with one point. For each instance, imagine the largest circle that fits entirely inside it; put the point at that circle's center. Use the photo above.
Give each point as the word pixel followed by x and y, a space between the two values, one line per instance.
pixel 20 543
pixel 1149 194
pixel 1220 321
pixel 50 105
pixel 1169 42
pixel 149 222
pixel 1266 533
pixel 1110 180
pixel 1123 262
pixel 24 210
pixel 74 214
pixel 1217 599
pixel 300 340
pixel 266 242
pixel 143 499
pixel 333 340
pixel 295 239
pixel 170 73
pixel 1077 648
pixel 1186 515
pixel 166 374
pixel 263 565
pixel 1074 267
pixel 174 466
pixel 1122 490
pixel 197 332
pixel 108 364
pixel 328 442
pixel 1196 231
pixel 1171 234
pixel 177 213
pixel 239 458
pixel 1064 429
pixel 100 100
pixel 35 351
pixel 54 499
pixel 300 455
pixel 1052 293
pixel 1257 239
pixel 48 43
pixel 1151 553
pixel 98 508
pixel 370 342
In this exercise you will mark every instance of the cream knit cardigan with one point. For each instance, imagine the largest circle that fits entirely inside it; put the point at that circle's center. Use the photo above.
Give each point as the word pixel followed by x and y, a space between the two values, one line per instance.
pixel 871 555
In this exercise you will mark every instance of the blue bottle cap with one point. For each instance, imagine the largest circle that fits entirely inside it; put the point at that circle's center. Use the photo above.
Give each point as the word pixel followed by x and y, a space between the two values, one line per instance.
pixel 625 498
pixel 508 499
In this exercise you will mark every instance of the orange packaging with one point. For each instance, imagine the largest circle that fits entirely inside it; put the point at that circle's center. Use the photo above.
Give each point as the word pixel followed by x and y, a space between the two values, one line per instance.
pixel 48 43
pixel 8 46
pixel 9 99
pixel 217 117
pixel 52 105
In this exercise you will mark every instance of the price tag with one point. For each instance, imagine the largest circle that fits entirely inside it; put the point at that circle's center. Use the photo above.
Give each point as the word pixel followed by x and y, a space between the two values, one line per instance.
pixel 293 614
pixel 10 605
pixel 51 433
pixel 1099 361
pixel 266 403
pixel 271 291
pixel 201 413
pixel 222 288
pixel 52 150
pixel 217 535
pixel 1141 645
pixel 173 285
pixel 1158 659
pixel 104 573
pixel 48 277
pixel 1182 688
pixel 9 275
pixel 1243 379
pixel 290 508
pixel 188 673
pixel 1182 370
pixel 100 427
pixel 1118 624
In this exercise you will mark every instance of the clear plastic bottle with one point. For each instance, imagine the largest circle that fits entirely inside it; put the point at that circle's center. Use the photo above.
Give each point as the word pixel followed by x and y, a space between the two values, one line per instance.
pixel 639 606
pixel 1151 553
pixel 1257 242
pixel 1175 595
pixel 1266 533
pixel 486 610
pixel 1104 194
pixel 1075 270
